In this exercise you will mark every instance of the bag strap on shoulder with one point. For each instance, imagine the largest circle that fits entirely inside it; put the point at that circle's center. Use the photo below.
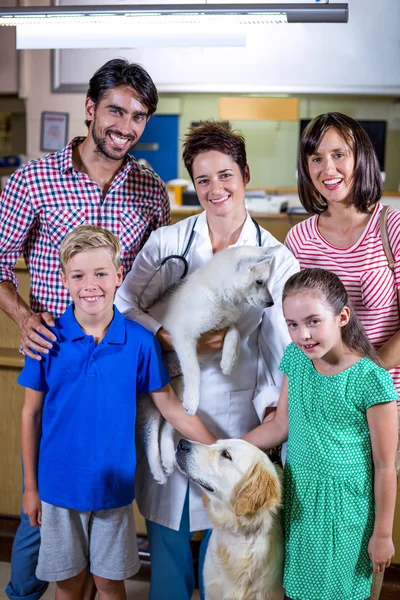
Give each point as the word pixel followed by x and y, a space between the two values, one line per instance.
pixel 385 236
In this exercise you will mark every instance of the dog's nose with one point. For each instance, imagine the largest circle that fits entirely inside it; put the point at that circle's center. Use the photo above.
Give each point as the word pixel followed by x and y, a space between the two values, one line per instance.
pixel 269 303
pixel 184 445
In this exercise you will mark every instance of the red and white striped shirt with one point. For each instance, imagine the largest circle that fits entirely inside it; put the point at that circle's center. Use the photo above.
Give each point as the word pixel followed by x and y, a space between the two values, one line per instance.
pixel 364 270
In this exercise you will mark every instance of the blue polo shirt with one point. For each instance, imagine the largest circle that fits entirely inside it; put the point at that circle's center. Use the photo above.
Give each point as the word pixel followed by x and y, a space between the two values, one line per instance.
pixel 87 454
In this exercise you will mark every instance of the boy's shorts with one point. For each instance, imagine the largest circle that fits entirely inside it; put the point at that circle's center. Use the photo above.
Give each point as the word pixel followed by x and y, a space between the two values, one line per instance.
pixel 71 540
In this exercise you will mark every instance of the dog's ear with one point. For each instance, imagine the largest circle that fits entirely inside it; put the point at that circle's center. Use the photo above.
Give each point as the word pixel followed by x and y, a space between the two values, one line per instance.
pixel 266 258
pixel 244 263
pixel 260 491
pixel 252 263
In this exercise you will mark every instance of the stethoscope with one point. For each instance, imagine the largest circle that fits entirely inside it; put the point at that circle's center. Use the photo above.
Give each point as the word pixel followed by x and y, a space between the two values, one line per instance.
pixel 182 258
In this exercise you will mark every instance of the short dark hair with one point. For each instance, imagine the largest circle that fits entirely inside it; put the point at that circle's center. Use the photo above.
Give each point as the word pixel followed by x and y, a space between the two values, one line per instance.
pixel 210 135
pixel 118 72
pixel 333 294
pixel 367 181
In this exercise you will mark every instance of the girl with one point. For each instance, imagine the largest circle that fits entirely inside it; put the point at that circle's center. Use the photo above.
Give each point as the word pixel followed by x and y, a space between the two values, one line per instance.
pixel 337 409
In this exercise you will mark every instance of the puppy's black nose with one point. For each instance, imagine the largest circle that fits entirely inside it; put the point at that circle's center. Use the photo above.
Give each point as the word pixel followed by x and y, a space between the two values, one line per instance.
pixel 184 445
pixel 269 303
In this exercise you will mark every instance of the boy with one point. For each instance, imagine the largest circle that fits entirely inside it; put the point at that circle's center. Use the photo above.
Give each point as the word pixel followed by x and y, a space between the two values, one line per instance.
pixel 81 399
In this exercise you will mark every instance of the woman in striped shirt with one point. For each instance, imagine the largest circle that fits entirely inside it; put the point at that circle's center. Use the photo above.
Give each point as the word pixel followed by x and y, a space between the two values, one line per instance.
pixel 340 183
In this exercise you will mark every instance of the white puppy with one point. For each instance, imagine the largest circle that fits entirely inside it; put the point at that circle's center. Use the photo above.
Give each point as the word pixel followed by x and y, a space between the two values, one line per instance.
pixel 244 559
pixel 208 299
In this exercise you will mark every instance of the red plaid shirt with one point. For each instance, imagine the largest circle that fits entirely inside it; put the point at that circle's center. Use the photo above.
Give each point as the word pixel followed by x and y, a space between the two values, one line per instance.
pixel 47 198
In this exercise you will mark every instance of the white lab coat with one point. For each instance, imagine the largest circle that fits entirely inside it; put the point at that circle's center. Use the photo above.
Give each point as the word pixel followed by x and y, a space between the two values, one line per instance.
pixel 229 406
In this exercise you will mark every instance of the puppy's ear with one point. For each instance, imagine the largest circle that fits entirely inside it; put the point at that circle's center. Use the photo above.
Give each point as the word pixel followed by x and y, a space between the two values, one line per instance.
pixel 252 263
pixel 244 263
pixel 259 491
pixel 264 259
pixel 206 500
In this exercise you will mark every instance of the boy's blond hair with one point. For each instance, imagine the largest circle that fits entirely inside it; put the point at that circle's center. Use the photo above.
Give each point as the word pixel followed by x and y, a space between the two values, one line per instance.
pixel 89 237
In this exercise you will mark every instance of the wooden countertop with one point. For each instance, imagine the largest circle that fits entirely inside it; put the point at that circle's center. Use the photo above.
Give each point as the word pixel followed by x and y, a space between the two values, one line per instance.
pixel 20 264
pixel 281 191
pixel 10 357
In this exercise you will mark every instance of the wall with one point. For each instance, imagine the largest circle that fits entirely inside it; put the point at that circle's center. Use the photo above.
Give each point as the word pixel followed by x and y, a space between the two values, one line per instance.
pixel 15 108
pixel 326 58
pixel 272 146
pixel 8 56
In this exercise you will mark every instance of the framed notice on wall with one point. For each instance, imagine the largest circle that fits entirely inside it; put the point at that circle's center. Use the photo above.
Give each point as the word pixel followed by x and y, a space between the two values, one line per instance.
pixel 54 131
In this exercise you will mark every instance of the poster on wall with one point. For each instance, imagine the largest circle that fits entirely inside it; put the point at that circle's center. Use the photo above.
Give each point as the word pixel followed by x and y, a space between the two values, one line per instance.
pixel 54 131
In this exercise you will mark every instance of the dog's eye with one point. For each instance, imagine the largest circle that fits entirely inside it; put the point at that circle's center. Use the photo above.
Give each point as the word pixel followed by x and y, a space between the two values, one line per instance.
pixel 259 282
pixel 226 454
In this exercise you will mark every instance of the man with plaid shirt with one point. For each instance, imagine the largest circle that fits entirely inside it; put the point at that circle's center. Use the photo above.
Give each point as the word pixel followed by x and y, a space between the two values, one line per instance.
pixel 91 181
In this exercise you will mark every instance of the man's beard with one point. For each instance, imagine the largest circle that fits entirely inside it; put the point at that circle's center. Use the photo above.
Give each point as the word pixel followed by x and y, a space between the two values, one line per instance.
pixel 101 144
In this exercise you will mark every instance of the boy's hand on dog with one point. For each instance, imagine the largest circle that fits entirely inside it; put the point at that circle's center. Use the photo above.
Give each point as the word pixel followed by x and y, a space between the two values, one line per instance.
pixel 32 507
pixel 211 341
pixel 381 551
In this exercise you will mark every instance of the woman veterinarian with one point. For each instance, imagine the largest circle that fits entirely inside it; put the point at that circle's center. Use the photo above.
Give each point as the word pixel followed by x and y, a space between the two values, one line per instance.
pixel 215 158
pixel 340 183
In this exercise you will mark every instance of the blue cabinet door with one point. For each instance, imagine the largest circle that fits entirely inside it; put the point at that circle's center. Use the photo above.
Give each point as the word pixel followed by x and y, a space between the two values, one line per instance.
pixel 159 145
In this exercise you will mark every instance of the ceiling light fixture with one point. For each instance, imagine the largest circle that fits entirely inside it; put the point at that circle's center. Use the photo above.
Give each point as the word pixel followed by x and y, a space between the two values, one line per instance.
pixel 127 33
pixel 293 13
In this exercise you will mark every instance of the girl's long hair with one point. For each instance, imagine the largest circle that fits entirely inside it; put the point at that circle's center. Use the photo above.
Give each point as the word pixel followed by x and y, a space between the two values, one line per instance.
pixel 332 291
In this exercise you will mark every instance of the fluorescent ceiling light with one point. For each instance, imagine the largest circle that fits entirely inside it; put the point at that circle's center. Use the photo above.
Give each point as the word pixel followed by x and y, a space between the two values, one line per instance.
pixel 295 13
pixel 127 33
pixel 140 31
pixel 140 19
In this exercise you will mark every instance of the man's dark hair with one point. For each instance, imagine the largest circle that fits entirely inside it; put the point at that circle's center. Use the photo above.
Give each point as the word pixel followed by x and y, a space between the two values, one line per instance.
pixel 118 72
pixel 210 135
pixel 367 181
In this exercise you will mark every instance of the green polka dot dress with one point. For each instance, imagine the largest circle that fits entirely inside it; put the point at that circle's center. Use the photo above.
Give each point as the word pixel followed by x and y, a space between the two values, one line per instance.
pixel 328 485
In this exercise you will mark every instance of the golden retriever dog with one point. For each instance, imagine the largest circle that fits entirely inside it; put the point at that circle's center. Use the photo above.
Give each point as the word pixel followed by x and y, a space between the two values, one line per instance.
pixel 244 559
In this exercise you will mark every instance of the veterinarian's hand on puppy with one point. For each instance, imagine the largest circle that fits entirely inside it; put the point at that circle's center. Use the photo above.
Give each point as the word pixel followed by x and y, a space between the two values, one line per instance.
pixel 32 507
pixel 211 341
pixel 172 410
pixel 381 551
pixel 164 339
